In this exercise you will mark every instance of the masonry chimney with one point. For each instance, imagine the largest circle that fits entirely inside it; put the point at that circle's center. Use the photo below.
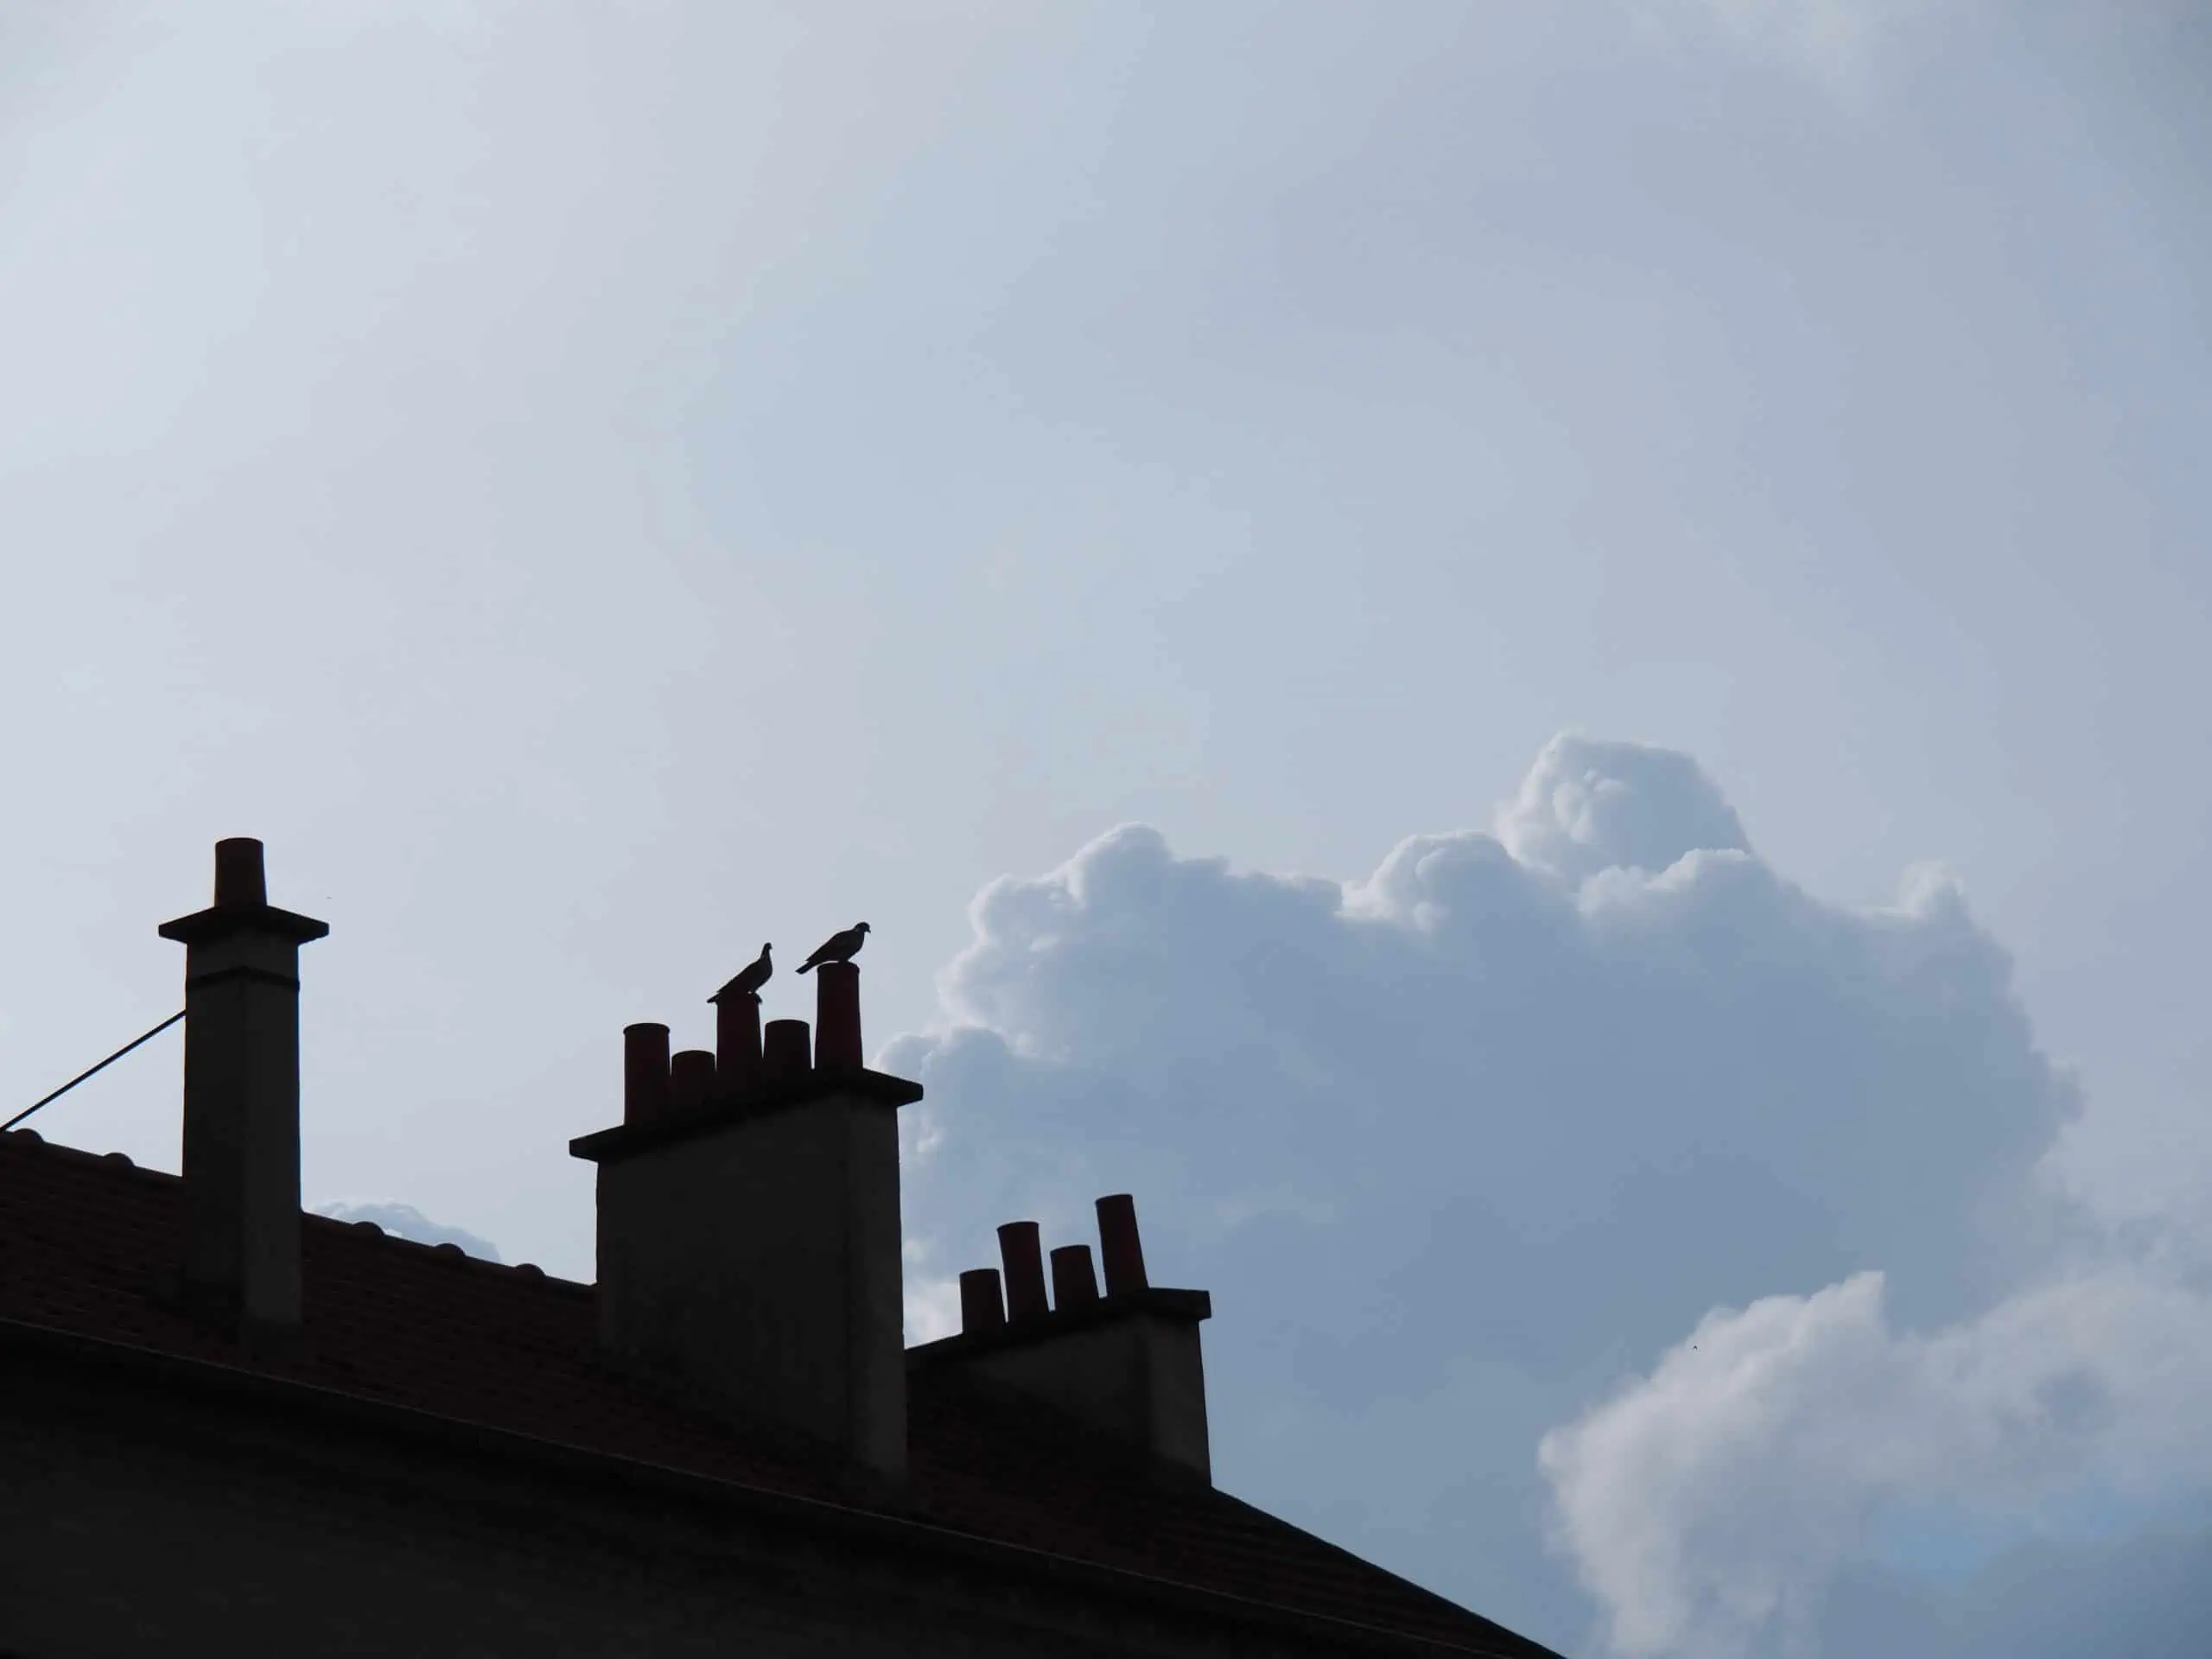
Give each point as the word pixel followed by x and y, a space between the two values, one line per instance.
pixel 242 1094
pixel 749 1250
pixel 1127 1364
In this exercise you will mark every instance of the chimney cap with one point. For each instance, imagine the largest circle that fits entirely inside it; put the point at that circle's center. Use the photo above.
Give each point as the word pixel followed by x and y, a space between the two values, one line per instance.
pixel 626 1140
pixel 242 902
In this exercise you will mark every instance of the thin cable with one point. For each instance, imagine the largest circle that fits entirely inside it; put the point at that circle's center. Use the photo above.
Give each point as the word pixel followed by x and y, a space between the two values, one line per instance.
pixel 102 1066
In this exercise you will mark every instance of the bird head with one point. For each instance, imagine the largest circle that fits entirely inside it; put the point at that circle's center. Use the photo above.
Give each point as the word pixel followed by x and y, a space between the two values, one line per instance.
pixel 859 927
pixel 764 950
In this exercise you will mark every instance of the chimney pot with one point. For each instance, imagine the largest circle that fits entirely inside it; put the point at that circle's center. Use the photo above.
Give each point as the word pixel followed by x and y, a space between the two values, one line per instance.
pixel 645 1071
pixel 690 1079
pixel 737 1042
pixel 785 1052
pixel 1074 1284
pixel 1119 1247
pixel 239 876
pixel 1020 1250
pixel 837 1017
pixel 981 1308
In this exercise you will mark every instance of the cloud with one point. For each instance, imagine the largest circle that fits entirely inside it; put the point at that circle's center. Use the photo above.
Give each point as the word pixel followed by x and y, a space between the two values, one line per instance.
pixel 2147 1595
pixel 1711 1502
pixel 1587 807
pixel 1834 38
pixel 405 1221
pixel 1461 1145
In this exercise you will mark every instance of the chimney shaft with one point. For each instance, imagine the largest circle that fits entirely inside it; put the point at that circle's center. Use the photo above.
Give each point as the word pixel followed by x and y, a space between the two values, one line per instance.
pixel 242 1093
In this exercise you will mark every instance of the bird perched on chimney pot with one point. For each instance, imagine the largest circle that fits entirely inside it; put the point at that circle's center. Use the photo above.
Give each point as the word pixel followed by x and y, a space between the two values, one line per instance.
pixel 839 947
pixel 749 980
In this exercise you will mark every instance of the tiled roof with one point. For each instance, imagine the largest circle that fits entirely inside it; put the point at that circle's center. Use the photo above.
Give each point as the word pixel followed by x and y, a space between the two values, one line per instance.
pixel 86 1242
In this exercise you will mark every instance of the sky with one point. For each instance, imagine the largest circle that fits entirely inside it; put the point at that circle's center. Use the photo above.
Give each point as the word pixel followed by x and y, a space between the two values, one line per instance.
pixel 1538 667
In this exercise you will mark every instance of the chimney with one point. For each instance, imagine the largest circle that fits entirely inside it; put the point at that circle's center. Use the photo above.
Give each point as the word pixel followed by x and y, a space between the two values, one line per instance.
pixel 242 1094
pixel 749 1246
pixel 1127 1364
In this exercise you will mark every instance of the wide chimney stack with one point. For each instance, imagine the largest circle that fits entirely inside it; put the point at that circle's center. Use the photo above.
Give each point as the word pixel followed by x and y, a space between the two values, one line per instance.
pixel 242 1094
pixel 749 1247
pixel 1128 1363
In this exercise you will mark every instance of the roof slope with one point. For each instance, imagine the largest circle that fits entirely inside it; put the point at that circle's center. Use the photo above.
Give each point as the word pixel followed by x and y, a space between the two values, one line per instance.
pixel 86 1242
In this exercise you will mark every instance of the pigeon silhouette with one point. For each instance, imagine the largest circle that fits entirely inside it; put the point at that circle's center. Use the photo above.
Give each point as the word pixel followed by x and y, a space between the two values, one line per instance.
pixel 839 947
pixel 749 980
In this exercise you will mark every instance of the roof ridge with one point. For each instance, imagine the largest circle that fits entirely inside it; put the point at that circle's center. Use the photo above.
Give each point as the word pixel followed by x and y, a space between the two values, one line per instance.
pixel 447 1250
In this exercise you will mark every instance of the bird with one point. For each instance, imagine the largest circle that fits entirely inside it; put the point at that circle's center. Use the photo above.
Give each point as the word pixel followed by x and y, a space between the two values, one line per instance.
pixel 839 947
pixel 749 980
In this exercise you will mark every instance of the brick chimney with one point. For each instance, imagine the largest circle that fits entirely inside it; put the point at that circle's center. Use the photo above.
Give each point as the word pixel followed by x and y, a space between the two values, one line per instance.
pixel 1128 1363
pixel 242 1094
pixel 749 1247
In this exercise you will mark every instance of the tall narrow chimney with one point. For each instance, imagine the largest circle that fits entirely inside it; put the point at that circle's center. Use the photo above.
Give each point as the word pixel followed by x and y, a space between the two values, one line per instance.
pixel 749 1250
pixel 242 1093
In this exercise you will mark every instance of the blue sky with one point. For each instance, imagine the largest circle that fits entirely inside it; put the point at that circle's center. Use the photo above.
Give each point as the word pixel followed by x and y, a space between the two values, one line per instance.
pixel 1538 666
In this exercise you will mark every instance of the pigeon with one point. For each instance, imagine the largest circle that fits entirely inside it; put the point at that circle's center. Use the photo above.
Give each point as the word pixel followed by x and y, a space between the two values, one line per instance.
pixel 749 980
pixel 840 947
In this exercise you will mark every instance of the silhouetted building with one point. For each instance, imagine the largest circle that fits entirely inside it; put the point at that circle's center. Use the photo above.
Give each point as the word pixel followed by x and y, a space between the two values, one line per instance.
pixel 225 1427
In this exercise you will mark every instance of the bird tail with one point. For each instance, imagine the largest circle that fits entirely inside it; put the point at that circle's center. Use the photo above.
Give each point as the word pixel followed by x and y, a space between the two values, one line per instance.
pixel 806 968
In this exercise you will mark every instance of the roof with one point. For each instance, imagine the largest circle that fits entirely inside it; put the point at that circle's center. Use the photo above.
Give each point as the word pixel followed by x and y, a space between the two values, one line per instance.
pixel 87 1241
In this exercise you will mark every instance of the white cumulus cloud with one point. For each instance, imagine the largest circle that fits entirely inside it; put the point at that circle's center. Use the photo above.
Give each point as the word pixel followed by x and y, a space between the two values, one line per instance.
pixel 1462 1144
pixel 1709 1504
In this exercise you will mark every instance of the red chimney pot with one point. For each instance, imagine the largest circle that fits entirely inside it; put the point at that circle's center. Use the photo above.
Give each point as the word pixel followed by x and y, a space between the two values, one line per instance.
pixel 691 1078
pixel 737 1042
pixel 1024 1257
pixel 1074 1283
pixel 837 1017
pixel 240 878
pixel 1118 1245
pixel 785 1050
pixel 981 1308
pixel 645 1072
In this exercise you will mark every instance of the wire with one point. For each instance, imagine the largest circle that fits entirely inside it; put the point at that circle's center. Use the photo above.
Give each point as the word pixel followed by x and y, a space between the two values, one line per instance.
pixel 88 1071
